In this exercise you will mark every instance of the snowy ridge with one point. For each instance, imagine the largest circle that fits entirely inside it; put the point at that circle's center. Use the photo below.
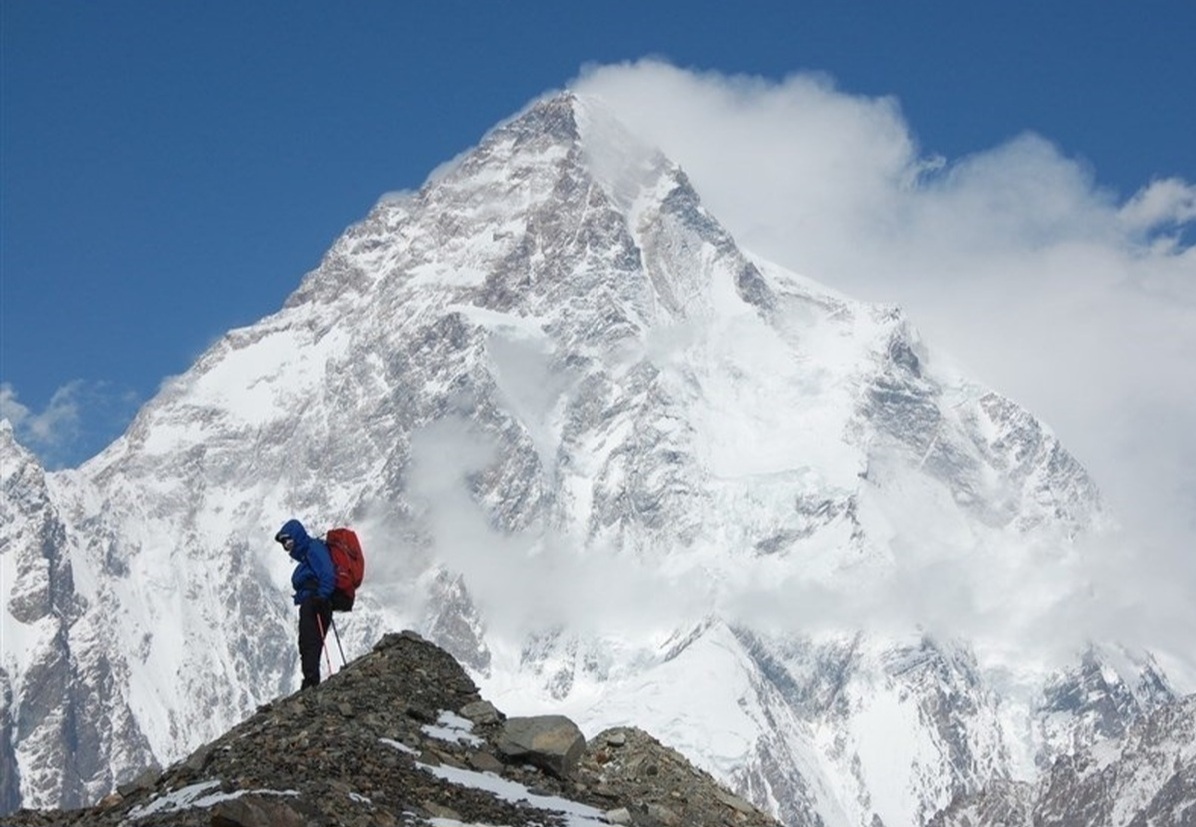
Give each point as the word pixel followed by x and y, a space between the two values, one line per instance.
pixel 613 463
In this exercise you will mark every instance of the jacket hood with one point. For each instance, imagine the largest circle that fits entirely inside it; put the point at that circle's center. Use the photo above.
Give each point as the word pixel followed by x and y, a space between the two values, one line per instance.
pixel 294 529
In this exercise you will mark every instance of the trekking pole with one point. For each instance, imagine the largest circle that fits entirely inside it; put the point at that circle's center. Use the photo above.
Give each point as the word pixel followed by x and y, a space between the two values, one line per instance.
pixel 337 635
pixel 324 642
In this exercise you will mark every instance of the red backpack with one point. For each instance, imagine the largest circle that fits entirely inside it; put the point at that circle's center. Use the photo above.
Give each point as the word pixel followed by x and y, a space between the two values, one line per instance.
pixel 348 563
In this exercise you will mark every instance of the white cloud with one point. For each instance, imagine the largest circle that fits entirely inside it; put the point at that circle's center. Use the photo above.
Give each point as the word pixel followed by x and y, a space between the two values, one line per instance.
pixel 1014 260
pixel 1161 204
pixel 77 421
pixel 536 578
pixel 10 408
pixel 51 429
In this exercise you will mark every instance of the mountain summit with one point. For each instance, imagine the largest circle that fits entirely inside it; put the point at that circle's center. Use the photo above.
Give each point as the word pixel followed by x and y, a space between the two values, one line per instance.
pixel 612 462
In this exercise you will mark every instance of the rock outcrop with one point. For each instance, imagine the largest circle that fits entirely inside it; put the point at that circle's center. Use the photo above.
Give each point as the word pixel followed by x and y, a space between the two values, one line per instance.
pixel 402 736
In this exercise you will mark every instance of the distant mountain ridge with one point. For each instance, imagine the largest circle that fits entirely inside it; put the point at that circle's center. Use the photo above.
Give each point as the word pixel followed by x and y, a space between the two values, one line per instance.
pixel 610 461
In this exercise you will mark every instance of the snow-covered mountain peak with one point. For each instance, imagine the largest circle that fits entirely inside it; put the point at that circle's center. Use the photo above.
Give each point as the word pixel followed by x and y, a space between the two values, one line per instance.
pixel 603 455
pixel 13 455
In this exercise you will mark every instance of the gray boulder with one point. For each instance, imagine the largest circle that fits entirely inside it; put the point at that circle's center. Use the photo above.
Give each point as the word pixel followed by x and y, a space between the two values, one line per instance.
pixel 551 742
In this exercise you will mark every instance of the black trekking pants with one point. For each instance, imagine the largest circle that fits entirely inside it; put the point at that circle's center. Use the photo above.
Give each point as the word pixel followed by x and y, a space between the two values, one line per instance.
pixel 315 615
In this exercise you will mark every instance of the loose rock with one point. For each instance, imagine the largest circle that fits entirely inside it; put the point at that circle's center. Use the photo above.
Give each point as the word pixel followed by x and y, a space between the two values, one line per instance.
pixel 551 742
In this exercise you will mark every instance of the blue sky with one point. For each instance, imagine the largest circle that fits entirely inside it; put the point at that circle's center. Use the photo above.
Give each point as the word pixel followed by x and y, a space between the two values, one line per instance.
pixel 171 170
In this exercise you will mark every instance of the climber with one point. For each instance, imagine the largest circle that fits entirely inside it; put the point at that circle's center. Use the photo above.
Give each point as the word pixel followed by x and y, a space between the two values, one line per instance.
pixel 313 580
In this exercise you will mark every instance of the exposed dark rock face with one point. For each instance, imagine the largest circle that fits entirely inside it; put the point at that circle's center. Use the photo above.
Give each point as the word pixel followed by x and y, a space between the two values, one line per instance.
pixel 1147 778
pixel 402 736
pixel 66 704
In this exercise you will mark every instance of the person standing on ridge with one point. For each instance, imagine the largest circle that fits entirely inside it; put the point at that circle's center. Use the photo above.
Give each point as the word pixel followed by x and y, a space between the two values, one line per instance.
pixel 313 580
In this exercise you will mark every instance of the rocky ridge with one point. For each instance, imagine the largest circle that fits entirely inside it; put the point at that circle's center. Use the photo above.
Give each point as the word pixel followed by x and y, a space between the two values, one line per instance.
pixel 402 736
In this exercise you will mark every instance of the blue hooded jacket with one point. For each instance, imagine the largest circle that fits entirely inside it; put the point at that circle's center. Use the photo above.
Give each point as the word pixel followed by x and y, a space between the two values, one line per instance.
pixel 313 576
